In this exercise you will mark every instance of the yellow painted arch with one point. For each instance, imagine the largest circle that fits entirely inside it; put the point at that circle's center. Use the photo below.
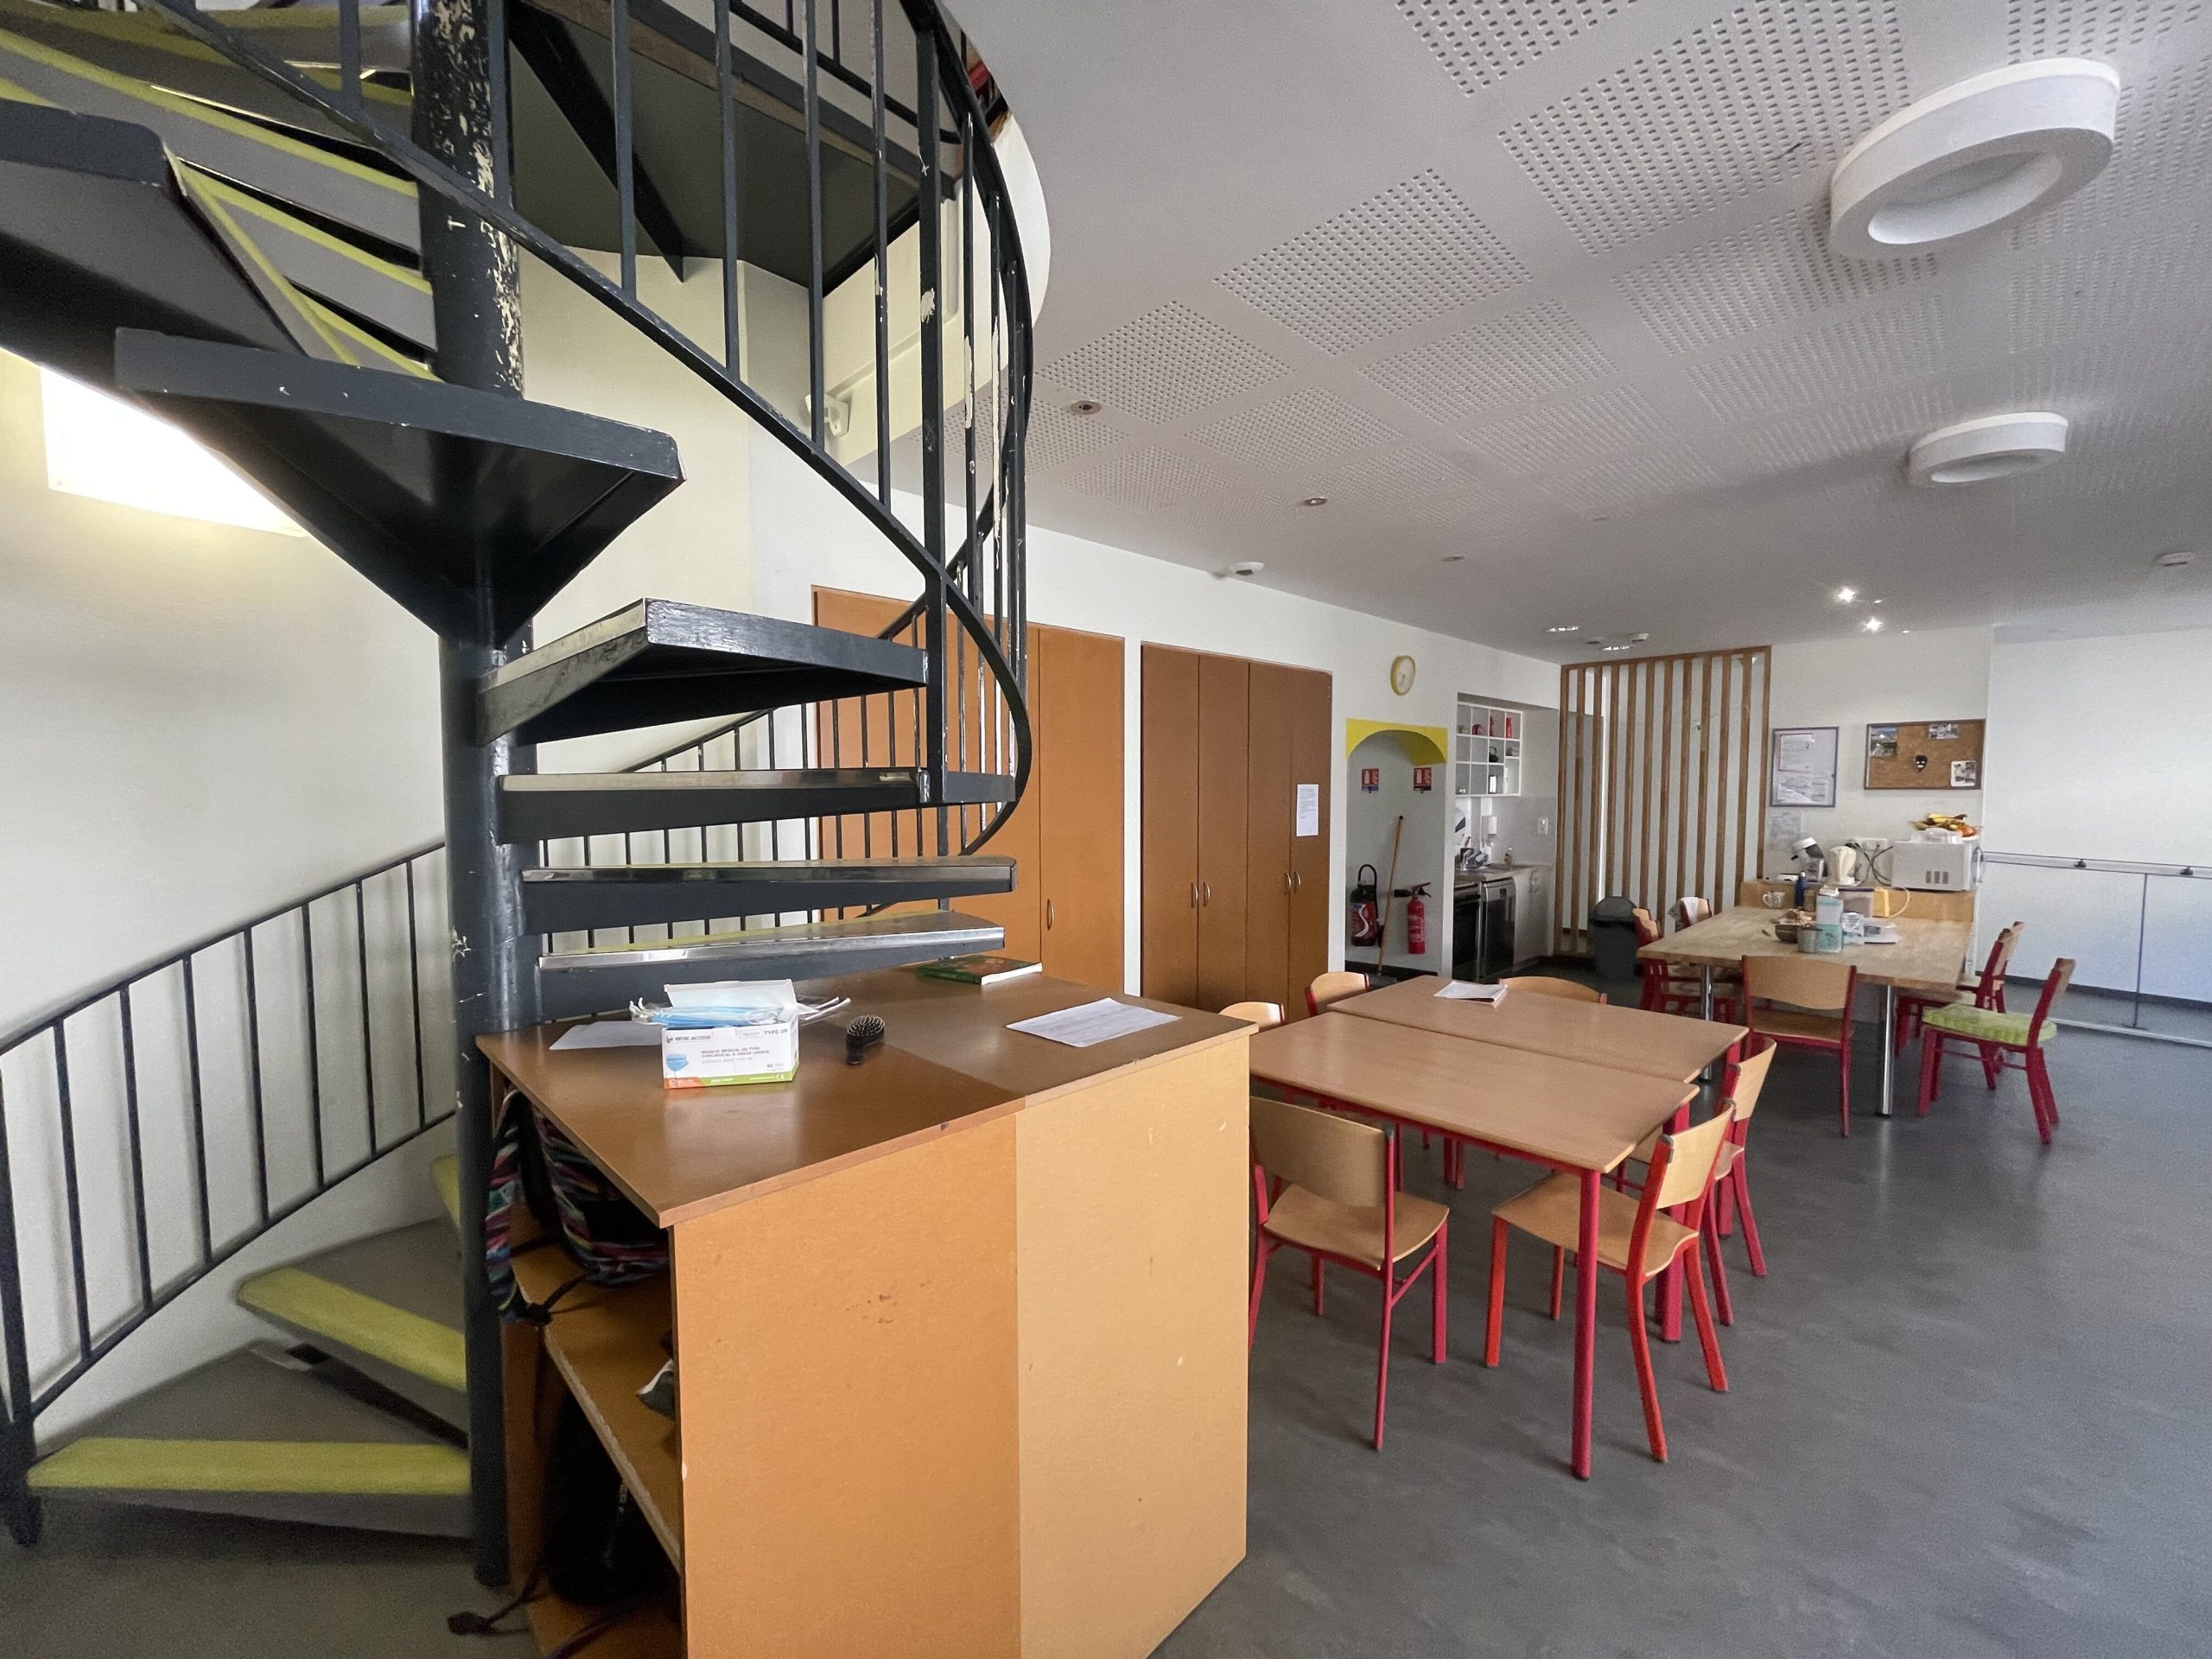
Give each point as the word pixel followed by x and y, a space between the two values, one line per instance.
pixel 1430 746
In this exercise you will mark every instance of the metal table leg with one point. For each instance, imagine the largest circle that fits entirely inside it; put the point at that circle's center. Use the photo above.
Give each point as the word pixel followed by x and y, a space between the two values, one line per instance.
pixel 1889 1047
pixel 1586 1324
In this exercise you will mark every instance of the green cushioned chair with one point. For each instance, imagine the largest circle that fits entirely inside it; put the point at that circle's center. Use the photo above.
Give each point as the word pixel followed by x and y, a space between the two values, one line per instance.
pixel 1994 1035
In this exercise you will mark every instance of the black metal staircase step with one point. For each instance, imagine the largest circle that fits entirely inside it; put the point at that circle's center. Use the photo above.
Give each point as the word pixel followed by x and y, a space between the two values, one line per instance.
pixel 551 806
pixel 589 981
pixel 658 661
pixel 623 895
pixel 95 235
pixel 417 485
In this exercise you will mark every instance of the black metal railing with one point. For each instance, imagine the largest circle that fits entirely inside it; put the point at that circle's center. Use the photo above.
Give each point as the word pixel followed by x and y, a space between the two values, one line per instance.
pixel 152 1129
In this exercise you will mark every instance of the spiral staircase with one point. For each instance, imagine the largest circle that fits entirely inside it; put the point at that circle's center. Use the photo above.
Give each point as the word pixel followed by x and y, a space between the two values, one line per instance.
pixel 221 216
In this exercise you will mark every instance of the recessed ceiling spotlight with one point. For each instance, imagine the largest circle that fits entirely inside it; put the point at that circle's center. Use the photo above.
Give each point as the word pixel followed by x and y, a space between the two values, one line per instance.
pixel 1872 625
pixel 1845 595
pixel 1572 627
pixel 1452 558
pixel 1981 153
pixel 1246 568
pixel 1085 406
pixel 1315 501
pixel 1994 446
pixel 2176 559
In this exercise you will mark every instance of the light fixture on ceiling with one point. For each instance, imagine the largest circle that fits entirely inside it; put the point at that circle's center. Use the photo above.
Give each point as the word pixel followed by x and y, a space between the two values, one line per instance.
pixel 1872 625
pixel 1085 406
pixel 1845 595
pixel 1981 153
pixel 1572 627
pixel 2180 558
pixel 1452 558
pixel 1992 446
pixel 1315 501
pixel 1246 568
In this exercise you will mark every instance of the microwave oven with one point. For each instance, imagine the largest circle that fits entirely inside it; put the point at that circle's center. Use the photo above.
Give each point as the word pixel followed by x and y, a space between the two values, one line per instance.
pixel 1936 866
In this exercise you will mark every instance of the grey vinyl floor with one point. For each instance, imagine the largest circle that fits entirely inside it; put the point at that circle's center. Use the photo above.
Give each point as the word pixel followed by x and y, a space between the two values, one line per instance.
pixel 1967 1416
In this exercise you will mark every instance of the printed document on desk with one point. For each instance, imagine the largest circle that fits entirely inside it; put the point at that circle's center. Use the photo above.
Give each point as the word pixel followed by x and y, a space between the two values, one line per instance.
pixel 1463 990
pixel 1090 1023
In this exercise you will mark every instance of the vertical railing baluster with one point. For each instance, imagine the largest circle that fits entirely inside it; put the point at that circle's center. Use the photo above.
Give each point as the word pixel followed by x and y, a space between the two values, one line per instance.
pixel 253 1082
pixel 503 135
pixel 726 97
pixel 932 346
pixel 17 1506
pixel 314 1040
pixel 199 1113
pixel 881 159
pixel 415 1002
pixel 817 390
pixel 72 1203
pixel 349 51
pixel 775 825
pixel 368 1023
pixel 626 174
pixel 136 1144
pixel 836 33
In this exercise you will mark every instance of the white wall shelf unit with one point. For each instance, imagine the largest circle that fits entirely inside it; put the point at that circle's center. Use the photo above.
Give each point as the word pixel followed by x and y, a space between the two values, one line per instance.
pixel 1486 749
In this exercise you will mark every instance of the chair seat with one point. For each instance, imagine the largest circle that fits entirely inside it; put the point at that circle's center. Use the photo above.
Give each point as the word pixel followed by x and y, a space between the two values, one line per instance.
pixel 1937 999
pixel 1313 1222
pixel 1987 1025
pixel 1798 1026
pixel 1552 1211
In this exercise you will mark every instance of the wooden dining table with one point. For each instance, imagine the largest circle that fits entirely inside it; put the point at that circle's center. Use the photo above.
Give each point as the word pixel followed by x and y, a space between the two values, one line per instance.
pixel 1564 1114
pixel 1929 955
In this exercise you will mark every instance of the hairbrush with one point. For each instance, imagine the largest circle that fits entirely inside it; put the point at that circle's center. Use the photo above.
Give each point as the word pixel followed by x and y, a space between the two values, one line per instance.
pixel 860 1036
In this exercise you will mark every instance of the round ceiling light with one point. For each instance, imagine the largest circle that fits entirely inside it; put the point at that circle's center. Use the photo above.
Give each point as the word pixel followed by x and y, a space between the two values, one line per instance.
pixel 1979 154
pixel 1995 446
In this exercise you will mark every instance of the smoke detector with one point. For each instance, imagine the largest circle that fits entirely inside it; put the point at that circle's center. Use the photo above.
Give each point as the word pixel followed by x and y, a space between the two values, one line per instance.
pixel 1247 567
pixel 1981 153
pixel 1994 446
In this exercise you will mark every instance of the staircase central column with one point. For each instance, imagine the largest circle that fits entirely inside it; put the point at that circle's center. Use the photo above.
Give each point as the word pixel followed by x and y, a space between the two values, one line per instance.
pixel 474 276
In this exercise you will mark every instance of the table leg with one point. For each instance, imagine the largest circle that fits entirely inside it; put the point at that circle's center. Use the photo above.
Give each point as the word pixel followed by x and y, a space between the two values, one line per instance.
pixel 1585 1322
pixel 1705 991
pixel 1889 1048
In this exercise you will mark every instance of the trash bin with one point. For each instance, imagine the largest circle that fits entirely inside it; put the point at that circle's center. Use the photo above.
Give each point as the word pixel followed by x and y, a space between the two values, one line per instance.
pixel 1612 938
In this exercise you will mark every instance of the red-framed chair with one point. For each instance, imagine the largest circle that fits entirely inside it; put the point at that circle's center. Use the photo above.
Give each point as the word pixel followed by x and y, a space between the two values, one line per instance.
pixel 1985 990
pixel 1262 1015
pixel 1669 987
pixel 1337 1199
pixel 1995 1036
pixel 1333 987
pixel 1633 1239
pixel 1817 996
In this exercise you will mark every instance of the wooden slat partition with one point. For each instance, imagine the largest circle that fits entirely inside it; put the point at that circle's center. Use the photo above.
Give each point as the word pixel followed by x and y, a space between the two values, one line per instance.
pixel 1661 781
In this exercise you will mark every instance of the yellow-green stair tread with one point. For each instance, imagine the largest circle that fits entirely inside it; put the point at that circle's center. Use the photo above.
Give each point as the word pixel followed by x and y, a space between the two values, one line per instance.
pixel 99 1463
pixel 393 1300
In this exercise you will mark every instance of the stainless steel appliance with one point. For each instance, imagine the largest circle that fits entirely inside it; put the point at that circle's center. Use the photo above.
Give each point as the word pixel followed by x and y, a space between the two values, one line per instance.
pixel 1482 927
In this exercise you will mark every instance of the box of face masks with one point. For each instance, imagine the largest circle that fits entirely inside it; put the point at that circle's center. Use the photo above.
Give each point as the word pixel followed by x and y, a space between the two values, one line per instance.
pixel 731 1032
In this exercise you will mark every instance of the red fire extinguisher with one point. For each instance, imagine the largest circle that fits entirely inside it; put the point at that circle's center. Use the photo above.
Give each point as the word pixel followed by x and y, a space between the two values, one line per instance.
pixel 1417 921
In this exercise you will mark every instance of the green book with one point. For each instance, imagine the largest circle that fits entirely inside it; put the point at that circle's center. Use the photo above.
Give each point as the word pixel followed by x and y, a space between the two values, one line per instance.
pixel 979 970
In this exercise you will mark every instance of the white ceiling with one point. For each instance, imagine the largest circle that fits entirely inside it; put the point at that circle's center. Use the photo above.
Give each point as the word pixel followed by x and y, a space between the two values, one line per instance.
pixel 1545 283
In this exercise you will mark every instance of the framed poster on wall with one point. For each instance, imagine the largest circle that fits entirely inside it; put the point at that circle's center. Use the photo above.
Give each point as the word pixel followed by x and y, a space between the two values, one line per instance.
pixel 1802 772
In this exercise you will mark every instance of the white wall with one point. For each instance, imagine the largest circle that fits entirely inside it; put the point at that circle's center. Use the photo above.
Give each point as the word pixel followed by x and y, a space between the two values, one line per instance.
pixel 1879 679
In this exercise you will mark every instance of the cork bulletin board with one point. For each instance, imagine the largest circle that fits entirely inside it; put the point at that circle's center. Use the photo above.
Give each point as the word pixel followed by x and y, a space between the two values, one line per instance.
pixel 1924 754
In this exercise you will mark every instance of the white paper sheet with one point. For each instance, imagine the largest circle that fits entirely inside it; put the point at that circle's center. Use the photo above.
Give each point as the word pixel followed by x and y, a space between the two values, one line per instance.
pixel 1462 990
pixel 1091 1023
pixel 609 1034
pixel 1309 809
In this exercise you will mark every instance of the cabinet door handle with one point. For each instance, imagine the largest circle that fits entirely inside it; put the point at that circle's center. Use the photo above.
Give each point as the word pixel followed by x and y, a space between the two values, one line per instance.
pixel 1048 915
pixel 1205 889
pixel 1298 882
pixel 1194 895
pixel 1287 880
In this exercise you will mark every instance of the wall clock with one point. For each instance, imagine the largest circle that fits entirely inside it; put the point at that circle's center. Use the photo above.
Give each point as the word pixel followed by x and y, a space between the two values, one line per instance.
pixel 1402 675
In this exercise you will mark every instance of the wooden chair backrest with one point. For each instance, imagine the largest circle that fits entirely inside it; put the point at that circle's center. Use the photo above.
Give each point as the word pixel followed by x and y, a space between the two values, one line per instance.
pixel 2001 955
pixel 1802 981
pixel 1333 987
pixel 2061 976
pixel 1751 1077
pixel 1261 1014
pixel 1331 1157
pixel 1690 1161
pixel 1544 985
pixel 1689 911
pixel 1647 927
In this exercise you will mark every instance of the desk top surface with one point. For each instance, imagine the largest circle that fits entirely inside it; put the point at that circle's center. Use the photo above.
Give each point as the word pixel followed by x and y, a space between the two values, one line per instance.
pixel 1626 1040
pixel 1564 1112
pixel 947 1063
pixel 1927 955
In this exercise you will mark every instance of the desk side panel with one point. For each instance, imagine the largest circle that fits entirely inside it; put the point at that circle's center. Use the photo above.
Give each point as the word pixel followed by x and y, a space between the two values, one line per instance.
pixel 1135 1247
pixel 846 1351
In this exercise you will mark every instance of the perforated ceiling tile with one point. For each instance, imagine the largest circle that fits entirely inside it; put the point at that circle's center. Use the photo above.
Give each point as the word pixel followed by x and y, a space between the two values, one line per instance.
pixel 1644 478
pixel 1167 364
pixel 2082 288
pixel 2161 163
pixel 1146 477
pixel 1857 355
pixel 1774 89
pixel 1391 477
pixel 1057 438
pixel 1883 427
pixel 1411 253
pixel 2059 28
pixel 1509 360
pixel 1570 433
pixel 1309 427
pixel 1480 42
pixel 1751 278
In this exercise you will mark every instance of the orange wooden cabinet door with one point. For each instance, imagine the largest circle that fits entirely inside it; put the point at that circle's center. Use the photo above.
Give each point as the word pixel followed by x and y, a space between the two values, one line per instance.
pixel 1022 911
pixel 1168 852
pixel 1224 712
pixel 1269 806
pixel 1313 762
pixel 1076 691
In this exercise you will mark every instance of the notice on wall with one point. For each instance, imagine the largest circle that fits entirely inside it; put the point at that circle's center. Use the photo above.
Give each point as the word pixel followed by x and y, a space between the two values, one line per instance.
pixel 1309 809
pixel 1803 773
